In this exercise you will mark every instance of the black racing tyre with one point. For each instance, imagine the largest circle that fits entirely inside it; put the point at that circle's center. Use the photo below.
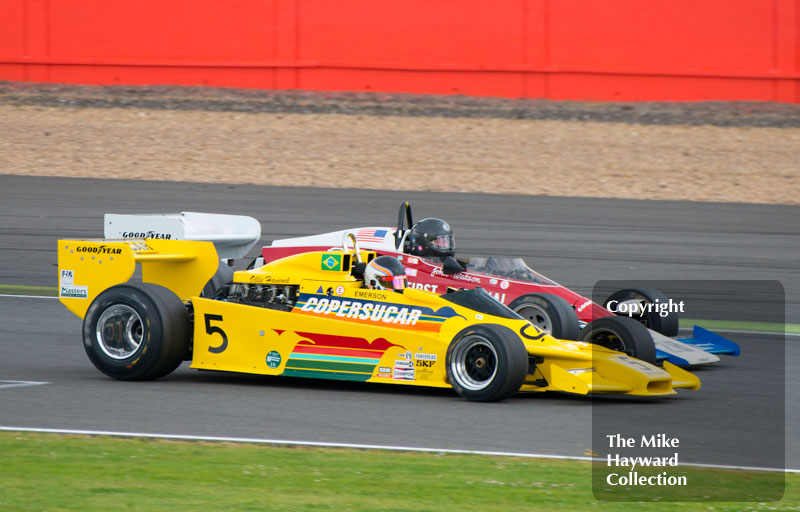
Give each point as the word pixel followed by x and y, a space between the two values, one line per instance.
pixel 136 331
pixel 622 334
pixel 666 325
pixel 222 277
pixel 549 313
pixel 486 363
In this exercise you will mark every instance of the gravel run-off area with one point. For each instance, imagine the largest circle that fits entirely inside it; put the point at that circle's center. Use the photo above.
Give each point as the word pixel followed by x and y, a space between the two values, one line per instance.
pixel 699 152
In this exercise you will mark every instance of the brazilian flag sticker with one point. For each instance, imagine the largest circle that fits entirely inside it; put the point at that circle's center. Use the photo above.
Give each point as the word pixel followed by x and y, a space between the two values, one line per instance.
pixel 332 262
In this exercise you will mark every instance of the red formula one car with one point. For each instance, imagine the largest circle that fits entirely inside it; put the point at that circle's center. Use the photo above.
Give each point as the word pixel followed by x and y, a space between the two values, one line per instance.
pixel 427 250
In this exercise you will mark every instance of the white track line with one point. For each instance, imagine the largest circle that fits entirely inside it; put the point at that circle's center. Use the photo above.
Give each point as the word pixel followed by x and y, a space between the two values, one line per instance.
pixel 5 384
pixel 319 444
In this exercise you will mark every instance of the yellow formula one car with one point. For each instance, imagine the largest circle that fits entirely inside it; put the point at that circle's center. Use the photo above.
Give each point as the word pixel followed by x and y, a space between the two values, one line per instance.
pixel 311 315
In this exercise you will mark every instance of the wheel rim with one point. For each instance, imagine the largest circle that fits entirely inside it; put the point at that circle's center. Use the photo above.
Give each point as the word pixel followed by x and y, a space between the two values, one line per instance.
pixel 474 362
pixel 537 316
pixel 119 331
pixel 608 339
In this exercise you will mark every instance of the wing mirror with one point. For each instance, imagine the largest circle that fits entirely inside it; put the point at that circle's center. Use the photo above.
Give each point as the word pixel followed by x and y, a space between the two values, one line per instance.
pixel 451 266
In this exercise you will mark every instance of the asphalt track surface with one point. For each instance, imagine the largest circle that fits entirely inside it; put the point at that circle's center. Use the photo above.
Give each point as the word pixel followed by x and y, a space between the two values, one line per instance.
pixel 736 418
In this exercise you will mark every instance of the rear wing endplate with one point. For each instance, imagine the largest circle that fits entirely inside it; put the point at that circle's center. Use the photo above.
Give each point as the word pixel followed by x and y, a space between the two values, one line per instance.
pixel 88 267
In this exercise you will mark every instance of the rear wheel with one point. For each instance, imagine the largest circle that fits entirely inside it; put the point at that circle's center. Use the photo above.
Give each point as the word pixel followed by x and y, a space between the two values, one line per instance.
pixel 622 334
pixel 486 363
pixel 650 317
pixel 136 331
pixel 549 313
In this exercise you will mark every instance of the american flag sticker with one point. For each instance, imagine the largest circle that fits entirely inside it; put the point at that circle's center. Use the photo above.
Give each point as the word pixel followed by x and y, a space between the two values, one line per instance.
pixel 371 235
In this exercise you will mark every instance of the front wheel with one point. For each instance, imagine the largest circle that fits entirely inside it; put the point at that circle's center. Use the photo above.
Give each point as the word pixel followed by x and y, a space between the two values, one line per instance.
pixel 486 363
pixel 136 331
pixel 648 310
pixel 622 334
pixel 549 313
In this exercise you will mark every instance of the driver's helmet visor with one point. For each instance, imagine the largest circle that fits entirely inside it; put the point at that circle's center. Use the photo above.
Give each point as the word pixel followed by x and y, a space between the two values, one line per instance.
pixel 446 243
pixel 394 282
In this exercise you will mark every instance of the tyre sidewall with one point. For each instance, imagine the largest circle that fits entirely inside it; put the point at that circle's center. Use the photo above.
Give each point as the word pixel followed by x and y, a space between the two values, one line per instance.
pixel 635 337
pixel 141 363
pixel 562 317
pixel 666 325
pixel 512 363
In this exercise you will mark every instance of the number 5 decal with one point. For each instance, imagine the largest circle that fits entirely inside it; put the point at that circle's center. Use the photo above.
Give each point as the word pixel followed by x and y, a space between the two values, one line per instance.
pixel 214 329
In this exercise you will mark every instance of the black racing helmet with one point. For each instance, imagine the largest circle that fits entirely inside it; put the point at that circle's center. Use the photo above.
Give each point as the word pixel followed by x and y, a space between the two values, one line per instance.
pixel 431 237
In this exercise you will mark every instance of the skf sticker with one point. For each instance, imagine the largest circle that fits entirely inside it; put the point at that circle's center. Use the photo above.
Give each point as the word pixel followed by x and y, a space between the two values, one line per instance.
pixel 331 262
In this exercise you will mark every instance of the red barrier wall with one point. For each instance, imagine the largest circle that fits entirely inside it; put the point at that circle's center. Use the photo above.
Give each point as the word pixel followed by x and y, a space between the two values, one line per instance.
pixel 625 50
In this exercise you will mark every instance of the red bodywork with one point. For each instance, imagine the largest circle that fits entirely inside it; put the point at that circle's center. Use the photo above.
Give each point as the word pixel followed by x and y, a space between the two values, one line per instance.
pixel 427 274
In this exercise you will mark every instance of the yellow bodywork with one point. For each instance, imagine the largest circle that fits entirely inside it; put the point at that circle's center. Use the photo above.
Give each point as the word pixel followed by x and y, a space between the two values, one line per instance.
pixel 334 327
pixel 87 267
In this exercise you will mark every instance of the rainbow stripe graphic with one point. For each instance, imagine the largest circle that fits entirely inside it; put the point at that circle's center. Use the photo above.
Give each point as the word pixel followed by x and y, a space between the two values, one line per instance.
pixel 328 356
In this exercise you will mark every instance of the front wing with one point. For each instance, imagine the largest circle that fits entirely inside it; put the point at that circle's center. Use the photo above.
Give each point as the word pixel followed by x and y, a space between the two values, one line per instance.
pixel 692 350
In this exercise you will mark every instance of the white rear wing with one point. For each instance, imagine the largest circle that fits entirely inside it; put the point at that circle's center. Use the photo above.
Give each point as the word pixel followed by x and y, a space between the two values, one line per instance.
pixel 233 235
pixel 372 238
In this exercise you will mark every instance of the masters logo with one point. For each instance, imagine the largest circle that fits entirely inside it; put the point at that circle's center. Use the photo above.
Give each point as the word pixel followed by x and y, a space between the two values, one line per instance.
pixel 74 292
pixel 332 262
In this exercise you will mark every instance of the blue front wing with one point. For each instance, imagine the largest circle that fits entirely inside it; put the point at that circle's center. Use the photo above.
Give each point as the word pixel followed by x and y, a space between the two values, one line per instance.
pixel 707 341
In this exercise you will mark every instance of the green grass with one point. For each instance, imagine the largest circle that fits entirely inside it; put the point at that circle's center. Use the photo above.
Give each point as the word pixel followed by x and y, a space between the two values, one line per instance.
pixel 59 473
pixel 741 326
pixel 19 289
